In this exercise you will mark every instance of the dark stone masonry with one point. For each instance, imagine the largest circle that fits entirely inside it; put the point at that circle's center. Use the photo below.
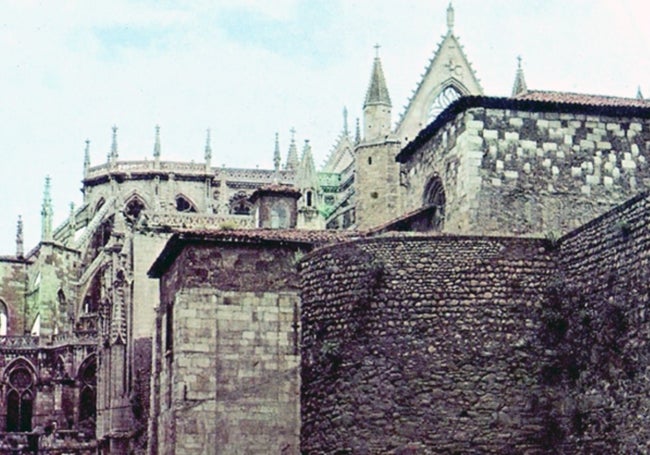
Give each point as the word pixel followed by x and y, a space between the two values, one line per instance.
pixel 447 344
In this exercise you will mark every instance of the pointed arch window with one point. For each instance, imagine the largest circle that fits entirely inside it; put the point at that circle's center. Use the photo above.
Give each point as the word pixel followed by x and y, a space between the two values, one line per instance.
pixel 4 318
pixel 434 195
pixel 88 392
pixel 20 398
pixel 443 100
pixel 183 204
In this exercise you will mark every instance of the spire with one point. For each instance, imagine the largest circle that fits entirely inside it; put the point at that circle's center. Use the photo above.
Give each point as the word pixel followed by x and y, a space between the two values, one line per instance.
pixel 345 121
pixel 276 154
pixel 292 156
pixel 156 146
pixel 20 250
pixel 639 95
pixel 46 212
pixel 377 93
pixel 113 155
pixel 306 177
pixel 87 157
pixel 208 148
pixel 357 133
pixel 72 222
pixel 519 87
pixel 450 19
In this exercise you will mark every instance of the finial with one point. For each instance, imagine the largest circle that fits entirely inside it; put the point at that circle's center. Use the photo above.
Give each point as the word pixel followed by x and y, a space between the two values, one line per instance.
pixel 87 156
pixel 276 153
pixel 519 62
pixel 357 133
pixel 113 155
pixel 156 146
pixel 519 87
pixel 291 163
pixel 293 134
pixel 46 212
pixel 345 121
pixel 208 147
pixel 20 250
pixel 450 18
pixel 639 95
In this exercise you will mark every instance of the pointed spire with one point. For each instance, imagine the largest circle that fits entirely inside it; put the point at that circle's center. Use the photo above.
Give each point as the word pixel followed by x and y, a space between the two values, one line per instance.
pixel 450 18
pixel 345 121
pixel 20 250
pixel 87 157
pixel 377 93
pixel 156 145
pixel 276 154
pixel 519 87
pixel 112 158
pixel 307 177
pixel 207 155
pixel 72 221
pixel 357 133
pixel 46 212
pixel 639 95
pixel 292 156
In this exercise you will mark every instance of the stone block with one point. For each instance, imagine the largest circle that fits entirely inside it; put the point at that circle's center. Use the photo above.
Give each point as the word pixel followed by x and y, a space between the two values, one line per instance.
pixel 604 145
pixel 512 136
pixel 628 164
pixel 511 174
pixel 490 134
pixel 608 181
pixel 516 122
pixel 528 145
pixel 549 146
pixel 587 145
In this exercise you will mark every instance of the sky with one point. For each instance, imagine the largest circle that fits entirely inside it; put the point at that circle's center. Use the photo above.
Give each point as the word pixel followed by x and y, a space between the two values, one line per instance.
pixel 246 69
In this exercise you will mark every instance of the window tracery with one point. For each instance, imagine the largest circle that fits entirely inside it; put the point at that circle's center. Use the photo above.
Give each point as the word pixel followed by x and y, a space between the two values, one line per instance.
pixel 442 101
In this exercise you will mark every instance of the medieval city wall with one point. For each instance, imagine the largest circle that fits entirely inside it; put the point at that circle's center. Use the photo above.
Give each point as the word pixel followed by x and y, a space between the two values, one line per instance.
pixel 228 355
pixel 601 317
pixel 419 342
pixel 529 171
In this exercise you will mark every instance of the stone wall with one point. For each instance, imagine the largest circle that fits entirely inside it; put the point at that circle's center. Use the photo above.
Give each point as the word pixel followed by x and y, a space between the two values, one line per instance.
pixel 422 342
pixel 226 367
pixel 601 360
pixel 520 171
pixel 13 275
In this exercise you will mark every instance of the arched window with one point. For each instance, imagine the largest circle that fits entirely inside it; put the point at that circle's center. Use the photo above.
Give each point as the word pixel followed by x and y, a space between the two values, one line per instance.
pixel 309 198
pixel 444 99
pixel 20 397
pixel 4 318
pixel 240 205
pixel 184 205
pixel 133 208
pixel 88 393
pixel 434 195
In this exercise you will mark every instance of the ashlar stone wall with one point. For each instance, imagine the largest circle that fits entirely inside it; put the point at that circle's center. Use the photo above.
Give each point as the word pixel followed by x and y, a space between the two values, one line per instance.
pixel 527 171
pixel 227 352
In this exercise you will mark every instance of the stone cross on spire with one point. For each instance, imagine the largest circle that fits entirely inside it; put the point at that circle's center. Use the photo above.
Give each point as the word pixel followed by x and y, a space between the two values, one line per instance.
pixel 292 157
pixel 450 18
pixel 519 87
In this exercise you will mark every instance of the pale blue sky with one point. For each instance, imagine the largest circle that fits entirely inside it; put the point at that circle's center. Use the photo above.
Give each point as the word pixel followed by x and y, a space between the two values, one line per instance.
pixel 69 70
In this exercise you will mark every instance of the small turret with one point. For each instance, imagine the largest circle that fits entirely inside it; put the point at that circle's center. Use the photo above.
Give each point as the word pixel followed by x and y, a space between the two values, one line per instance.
pixel 377 105
pixel 639 95
pixel 292 157
pixel 20 244
pixel 156 145
pixel 46 213
pixel 519 87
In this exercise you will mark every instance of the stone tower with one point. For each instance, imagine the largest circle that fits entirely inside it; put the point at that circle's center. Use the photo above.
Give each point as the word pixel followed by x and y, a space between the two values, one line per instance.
pixel 377 173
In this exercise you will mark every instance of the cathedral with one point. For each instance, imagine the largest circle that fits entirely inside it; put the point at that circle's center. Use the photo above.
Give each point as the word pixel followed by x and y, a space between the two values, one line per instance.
pixel 466 277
